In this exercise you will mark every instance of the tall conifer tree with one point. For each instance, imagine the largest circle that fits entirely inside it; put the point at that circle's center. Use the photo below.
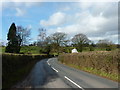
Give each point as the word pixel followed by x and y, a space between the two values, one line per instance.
pixel 14 40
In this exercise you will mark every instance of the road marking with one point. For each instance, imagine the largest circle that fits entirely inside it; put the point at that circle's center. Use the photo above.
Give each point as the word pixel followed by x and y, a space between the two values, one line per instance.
pixel 54 69
pixel 48 63
pixel 73 82
pixel 48 60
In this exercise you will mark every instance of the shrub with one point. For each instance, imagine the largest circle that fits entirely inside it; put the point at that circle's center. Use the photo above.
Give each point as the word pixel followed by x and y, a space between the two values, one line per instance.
pixel 103 61
pixel 16 66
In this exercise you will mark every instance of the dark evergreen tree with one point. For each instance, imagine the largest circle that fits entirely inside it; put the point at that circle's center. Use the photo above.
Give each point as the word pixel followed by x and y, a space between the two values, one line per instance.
pixel 14 40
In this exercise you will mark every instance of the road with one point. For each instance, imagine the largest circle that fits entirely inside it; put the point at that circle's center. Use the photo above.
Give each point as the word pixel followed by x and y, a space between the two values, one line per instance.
pixel 49 73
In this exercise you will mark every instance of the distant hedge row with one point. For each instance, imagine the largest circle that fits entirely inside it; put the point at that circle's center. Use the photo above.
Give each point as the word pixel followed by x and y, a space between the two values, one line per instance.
pixel 16 66
pixel 103 61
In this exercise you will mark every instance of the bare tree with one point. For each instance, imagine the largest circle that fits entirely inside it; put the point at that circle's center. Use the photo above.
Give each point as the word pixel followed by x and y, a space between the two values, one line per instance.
pixel 2 43
pixel 79 40
pixel 48 40
pixel 57 41
pixel 104 41
pixel 41 36
pixel 59 38
pixel 24 33
pixel 105 44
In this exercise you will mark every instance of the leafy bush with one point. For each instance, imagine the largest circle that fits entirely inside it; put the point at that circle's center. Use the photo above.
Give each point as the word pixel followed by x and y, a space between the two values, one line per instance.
pixel 16 66
pixel 91 48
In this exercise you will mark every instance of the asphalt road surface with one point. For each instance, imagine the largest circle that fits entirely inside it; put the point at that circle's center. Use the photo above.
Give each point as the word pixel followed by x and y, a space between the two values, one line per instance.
pixel 49 73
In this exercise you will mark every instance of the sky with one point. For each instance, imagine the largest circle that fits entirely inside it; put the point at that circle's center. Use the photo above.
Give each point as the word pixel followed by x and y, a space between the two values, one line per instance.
pixel 97 20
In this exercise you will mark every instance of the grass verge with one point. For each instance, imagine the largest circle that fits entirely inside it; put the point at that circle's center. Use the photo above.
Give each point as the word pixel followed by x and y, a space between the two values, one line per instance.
pixel 114 77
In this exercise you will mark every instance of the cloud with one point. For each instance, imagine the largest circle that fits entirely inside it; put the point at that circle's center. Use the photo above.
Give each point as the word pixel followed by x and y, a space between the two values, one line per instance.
pixel 17 4
pixel 20 8
pixel 19 12
pixel 113 38
pixel 96 20
pixel 61 0
pixel 0 7
pixel 85 5
pixel 29 27
pixel 100 7
pixel 56 19
pixel 84 23
pixel 21 0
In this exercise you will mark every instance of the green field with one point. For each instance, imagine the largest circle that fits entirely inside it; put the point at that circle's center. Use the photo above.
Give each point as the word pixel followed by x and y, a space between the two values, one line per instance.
pixel 2 49
pixel 30 49
pixel 37 49
pixel 25 49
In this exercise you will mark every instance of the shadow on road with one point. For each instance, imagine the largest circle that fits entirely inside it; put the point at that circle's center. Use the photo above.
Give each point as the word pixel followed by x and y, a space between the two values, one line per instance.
pixel 41 76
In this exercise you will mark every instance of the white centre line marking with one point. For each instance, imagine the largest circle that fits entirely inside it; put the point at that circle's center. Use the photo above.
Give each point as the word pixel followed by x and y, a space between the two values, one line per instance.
pixel 73 83
pixel 54 69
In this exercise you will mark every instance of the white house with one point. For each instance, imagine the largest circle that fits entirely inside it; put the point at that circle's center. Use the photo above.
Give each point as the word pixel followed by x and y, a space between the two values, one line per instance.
pixel 74 50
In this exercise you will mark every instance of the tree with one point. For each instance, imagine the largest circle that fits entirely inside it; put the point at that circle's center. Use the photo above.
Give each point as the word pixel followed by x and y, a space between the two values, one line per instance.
pixel 24 33
pixel 2 43
pixel 44 42
pixel 105 44
pixel 41 36
pixel 14 40
pixel 58 38
pixel 91 46
pixel 79 40
pixel 56 42
pixel 33 44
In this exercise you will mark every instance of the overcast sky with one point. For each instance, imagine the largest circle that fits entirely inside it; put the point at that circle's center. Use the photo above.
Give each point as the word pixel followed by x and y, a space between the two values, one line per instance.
pixel 97 20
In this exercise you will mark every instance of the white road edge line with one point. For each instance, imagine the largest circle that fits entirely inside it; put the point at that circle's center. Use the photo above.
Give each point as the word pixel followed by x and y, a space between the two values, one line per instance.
pixel 73 82
pixel 48 60
pixel 54 69
pixel 48 63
